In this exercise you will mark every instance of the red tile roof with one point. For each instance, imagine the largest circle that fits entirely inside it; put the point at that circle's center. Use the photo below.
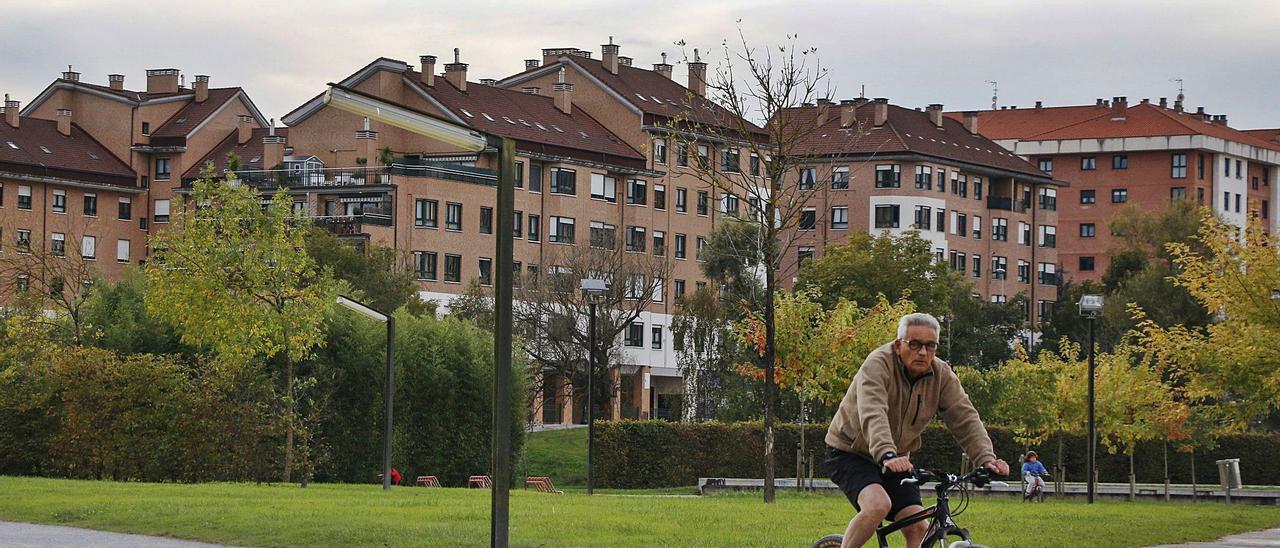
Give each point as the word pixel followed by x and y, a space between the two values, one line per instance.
pixel 906 131
pixel 36 147
pixel 193 114
pixel 136 96
pixel 1272 135
pixel 1025 122
pixel 250 152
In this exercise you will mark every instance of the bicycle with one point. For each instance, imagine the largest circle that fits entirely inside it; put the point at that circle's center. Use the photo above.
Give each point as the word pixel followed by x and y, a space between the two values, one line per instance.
pixel 1037 492
pixel 941 524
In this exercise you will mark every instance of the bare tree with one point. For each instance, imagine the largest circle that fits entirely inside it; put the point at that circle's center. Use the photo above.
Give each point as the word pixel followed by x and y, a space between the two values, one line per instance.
pixel 553 313
pixel 772 86
pixel 57 278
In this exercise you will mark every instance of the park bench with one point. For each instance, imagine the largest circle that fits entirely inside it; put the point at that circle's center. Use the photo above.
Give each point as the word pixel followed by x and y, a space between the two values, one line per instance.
pixel 427 481
pixel 542 484
pixel 482 482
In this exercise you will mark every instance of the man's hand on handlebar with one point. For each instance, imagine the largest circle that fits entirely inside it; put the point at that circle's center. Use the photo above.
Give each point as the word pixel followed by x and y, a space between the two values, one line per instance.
pixel 900 465
pixel 998 467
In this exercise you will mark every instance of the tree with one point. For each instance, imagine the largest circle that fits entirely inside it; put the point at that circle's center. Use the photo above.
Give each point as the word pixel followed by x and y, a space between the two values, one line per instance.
pixel 235 277
pixel 58 278
pixel 868 266
pixel 475 306
pixel 978 332
pixel 119 320
pixel 378 273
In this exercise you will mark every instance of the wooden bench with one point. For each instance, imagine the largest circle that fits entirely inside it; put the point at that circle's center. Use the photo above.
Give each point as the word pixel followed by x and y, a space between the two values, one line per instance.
pixel 482 482
pixel 542 484
pixel 427 481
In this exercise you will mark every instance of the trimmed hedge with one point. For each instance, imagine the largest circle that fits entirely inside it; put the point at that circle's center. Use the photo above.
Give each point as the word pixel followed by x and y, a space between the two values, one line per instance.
pixel 646 454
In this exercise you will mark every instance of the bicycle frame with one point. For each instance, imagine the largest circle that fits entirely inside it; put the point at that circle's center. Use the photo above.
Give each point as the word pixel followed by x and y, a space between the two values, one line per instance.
pixel 940 526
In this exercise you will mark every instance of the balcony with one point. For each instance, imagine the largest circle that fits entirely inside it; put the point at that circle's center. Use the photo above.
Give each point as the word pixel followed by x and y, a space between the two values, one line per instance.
pixel 351 225
pixel 339 177
pixel 1006 204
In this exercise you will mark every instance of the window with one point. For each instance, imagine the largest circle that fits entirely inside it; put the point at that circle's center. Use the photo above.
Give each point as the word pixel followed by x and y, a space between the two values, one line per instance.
pixel 636 192
pixel 602 188
pixel 1119 195
pixel 535 177
pixel 699 245
pixel 59 245
pixel 964 186
pixel 730 160
pixel 1255 182
pixel 426 213
pixel 603 235
pixel 840 217
pixel 519 179
pixel 924 177
pixel 635 335
pixel 659 243
pixel 1237 203
pixel 635 239
pixel 89 247
pixel 122 251
pixel 887 216
pixel 655 336
pixel 755 164
pixel 124 211
pixel 942 180
pixel 977 266
pixel 1226 201
pixel 1200 196
pixel 1045 310
pixel 24 241
pixel 977 227
pixel 1179 166
pixel 1024 271
pixel 516 280
pixel 808 218
pixel 91 205
pixel 682 200
pixel 564 181
pixel 1000 229
pixel 729 204
pixel 1046 165
pixel 1239 170
pixel 678 289
pixel 942 221
pixel 659 196
pixel 924 218
pixel 680 246
pixel 888 176
pixel 453 268
pixel 453 216
pixel 1088 230
pixel 960 224
pixel 162 169
pixel 162 211
pixel 1049 199
pixel 702 202
pixel 1199 166
pixel 839 178
pixel 59 201
pixel 486 271
pixel 658 291
pixel 1120 161
pixel 24 283
pixel 804 253
pixel 704 155
pixel 1048 236
pixel 977 188
pixel 535 225
pixel 146 128
pixel 1086 264
pixel 486 220
pixel 1089 196
pixel 561 230
pixel 682 155
pixel 636 288
pixel 1048 274
pixel 1088 163
pixel 24 197
pixel 659 151
pixel 1266 209
pixel 424 263
pixel 808 178
pixel 999 268
pixel 1024 233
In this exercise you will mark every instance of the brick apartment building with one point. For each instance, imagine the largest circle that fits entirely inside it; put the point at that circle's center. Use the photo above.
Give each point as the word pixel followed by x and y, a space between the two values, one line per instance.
pixel 1113 154
pixel 882 168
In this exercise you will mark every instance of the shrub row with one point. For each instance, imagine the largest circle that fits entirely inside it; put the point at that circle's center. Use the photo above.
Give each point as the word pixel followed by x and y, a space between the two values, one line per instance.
pixel 642 454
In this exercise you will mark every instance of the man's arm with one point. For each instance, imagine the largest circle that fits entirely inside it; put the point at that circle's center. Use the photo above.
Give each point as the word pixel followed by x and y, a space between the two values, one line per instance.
pixel 963 421
pixel 873 408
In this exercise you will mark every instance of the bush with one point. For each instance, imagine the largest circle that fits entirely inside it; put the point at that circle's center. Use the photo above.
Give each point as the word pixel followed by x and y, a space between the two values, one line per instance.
pixel 647 454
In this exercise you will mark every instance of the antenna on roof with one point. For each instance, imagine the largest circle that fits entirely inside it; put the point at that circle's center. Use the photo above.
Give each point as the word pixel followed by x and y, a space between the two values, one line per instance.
pixel 696 57
pixel 610 40
pixel 995 93
pixel 561 76
pixel 456 56
pixel 1181 97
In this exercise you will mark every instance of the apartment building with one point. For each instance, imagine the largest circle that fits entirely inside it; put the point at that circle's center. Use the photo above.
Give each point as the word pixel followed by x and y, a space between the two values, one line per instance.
pixel 877 167
pixel 1114 154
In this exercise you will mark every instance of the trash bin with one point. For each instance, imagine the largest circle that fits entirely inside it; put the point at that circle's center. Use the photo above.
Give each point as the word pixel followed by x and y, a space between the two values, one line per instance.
pixel 1229 473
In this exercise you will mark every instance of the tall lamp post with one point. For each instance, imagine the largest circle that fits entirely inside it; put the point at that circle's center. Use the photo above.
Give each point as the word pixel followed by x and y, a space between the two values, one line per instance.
pixel 1091 308
pixel 593 291
pixel 361 308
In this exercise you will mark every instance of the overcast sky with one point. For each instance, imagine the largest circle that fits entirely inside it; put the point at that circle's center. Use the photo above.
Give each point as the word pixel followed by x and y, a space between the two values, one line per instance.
pixel 914 52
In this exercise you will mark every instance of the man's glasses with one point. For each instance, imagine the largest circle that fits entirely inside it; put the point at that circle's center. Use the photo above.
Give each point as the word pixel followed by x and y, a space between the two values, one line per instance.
pixel 916 345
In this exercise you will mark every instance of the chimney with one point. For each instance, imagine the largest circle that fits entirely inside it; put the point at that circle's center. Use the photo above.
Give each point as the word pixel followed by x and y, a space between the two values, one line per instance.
pixel 609 56
pixel 1100 103
pixel 881 112
pixel 366 141
pixel 64 121
pixel 1200 113
pixel 1039 105
pixel 1146 100
pixel 116 81
pixel 698 75
pixel 162 80
pixel 1119 106
pixel 624 60
pixel 563 94
pixel 532 90
pixel 551 55
pixel 847 117
pixel 244 128
pixel 1177 105
pixel 201 86
pixel 488 82
pixel 971 121
pixel 532 64
pixel 456 72
pixel 272 148
pixel 824 108
pixel 1220 119
pixel 1164 102
pixel 10 111
pixel 428 75
pixel 71 75
pixel 663 68
pixel 935 114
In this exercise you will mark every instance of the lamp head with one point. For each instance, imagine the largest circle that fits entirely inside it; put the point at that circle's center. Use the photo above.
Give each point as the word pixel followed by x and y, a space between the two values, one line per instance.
pixel 1091 305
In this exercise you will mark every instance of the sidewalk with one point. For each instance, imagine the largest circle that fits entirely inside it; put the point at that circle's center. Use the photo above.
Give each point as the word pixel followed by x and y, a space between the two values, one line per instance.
pixel 31 535
pixel 1270 537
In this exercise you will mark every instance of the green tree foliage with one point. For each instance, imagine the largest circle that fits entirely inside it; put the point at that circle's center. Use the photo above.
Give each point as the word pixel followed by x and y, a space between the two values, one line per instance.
pixel 978 332
pixel 868 266
pixel 475 306
pixel 119 321
pixel 377 274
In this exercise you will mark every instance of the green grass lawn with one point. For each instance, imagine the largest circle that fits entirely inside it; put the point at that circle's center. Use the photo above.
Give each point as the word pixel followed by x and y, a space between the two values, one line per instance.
pixel 558 454
pixel 362 515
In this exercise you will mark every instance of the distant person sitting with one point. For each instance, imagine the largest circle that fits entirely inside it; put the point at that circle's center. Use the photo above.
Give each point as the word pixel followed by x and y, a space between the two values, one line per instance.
pixel 1033 473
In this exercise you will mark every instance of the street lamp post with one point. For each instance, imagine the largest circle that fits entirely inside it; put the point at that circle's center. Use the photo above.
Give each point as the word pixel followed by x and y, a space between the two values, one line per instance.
pixel 357 306
pixel 1091 308
pixel 592 290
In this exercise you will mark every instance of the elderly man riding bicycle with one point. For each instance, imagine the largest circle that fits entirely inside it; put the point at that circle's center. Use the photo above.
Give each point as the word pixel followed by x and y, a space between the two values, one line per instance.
pixel 899 388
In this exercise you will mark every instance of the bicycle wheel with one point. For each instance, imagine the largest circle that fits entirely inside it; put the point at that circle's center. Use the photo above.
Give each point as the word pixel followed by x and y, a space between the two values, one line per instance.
pixel 829 541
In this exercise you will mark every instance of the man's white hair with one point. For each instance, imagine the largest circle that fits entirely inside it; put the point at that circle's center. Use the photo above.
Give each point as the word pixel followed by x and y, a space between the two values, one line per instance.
pixel 918 318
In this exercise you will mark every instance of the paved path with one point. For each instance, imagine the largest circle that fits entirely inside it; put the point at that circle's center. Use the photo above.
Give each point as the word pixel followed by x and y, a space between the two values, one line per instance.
pixel 1268 538
pixel 31 535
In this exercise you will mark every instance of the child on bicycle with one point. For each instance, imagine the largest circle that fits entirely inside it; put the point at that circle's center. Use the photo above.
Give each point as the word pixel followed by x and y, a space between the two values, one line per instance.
pixel 1032 472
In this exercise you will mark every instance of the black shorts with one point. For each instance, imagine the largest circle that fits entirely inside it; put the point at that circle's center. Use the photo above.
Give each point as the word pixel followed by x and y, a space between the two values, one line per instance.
pixel 853 472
